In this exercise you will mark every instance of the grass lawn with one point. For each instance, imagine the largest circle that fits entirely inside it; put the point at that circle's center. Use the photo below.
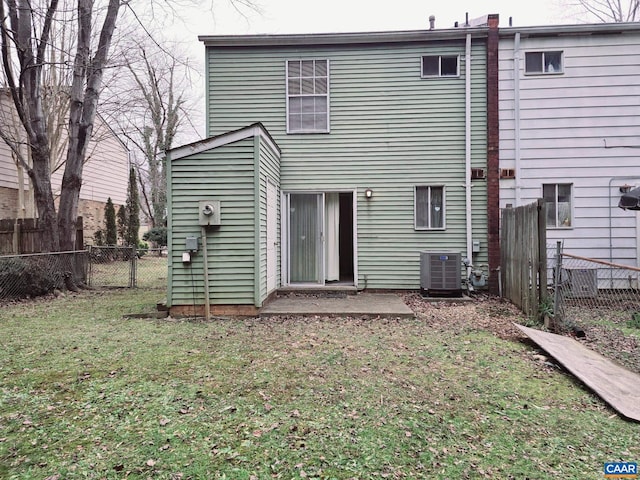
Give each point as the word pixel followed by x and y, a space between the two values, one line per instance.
pixel 87 393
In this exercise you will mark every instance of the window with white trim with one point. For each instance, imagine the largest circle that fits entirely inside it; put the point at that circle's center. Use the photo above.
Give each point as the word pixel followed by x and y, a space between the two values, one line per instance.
pixel 307 96
pixel 440 66
pixel 541 63
pixel 429 207
pixel 557 197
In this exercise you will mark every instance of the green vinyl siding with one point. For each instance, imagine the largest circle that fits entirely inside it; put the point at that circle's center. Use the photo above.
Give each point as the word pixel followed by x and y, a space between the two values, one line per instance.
pixel 390 130
pixel 225 174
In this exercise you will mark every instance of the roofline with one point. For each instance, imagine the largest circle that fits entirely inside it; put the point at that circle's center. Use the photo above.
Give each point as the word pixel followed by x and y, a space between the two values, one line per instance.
pixel 253 130
pixel 317 39
pixel 577 29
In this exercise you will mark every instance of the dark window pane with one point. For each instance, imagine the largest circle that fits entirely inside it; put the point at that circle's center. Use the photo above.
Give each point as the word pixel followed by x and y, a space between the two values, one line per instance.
pixel 430 66
pixel 307 86
pixel 449 66
pixel 294 68
pixel 321 68
pixel 437 207
pixel 422 207
pixel 533 62
pixel 295 122
pixel 307 68
pixel 321 86
pixel 294 86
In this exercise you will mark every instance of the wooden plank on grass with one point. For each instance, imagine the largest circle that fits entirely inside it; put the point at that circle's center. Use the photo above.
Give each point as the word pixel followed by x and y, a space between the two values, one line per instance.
pixel 616 385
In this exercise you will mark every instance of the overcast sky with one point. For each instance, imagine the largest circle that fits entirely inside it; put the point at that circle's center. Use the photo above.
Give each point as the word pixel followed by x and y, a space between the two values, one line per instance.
pixel 300 16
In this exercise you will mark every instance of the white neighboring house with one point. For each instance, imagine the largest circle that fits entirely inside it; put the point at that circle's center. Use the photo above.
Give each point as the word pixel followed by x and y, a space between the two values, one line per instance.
pixel 105 174
pixel 569 99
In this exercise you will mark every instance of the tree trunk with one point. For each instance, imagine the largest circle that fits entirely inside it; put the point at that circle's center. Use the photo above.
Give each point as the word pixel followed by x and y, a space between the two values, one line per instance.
pixel 43 196
pixel 82 112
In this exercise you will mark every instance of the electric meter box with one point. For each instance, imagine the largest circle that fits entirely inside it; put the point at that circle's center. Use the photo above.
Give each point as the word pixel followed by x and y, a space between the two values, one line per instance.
pixel 209 213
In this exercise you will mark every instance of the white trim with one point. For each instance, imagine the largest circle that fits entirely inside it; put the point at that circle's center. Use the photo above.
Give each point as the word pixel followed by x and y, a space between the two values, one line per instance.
pixel 255 130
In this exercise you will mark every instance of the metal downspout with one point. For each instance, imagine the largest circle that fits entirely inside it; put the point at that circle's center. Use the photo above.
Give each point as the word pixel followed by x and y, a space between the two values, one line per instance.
pixel 516 116
pixel 467 153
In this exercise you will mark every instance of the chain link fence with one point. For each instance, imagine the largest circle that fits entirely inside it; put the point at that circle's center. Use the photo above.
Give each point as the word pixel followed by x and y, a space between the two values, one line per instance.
pixel 590 290
pixel 41 273
pixel 32 275
pixel 112 266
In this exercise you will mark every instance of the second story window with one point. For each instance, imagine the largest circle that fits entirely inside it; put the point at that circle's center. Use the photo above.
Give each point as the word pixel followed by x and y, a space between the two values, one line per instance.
pixel 307 96
pixel 542 62
pixel 440 66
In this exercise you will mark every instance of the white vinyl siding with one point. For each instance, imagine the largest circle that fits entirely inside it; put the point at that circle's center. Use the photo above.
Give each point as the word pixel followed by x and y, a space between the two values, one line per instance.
pixel 307 96
pixel 429 207
pixel 440 66
pixel 580 127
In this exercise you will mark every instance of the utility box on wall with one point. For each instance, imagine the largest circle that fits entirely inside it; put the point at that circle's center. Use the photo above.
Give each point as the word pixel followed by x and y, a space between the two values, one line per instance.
pixel 209 213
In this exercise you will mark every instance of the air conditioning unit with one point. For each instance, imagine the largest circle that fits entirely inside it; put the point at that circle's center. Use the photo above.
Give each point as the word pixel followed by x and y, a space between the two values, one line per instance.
pixel 583 282
pixel 440 273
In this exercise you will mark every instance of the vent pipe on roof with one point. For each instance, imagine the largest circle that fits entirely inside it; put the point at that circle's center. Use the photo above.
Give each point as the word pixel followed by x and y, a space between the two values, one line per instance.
pixel 466 19
pixel 432 22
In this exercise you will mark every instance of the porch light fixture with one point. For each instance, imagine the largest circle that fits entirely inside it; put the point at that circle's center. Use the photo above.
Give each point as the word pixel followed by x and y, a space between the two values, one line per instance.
pixel 368 193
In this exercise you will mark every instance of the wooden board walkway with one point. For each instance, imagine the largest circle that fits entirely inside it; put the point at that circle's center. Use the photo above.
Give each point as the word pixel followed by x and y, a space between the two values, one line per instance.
pixel 616 385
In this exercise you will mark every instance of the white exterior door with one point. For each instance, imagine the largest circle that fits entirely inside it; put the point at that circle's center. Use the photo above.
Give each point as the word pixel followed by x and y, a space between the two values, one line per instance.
pixel 272 240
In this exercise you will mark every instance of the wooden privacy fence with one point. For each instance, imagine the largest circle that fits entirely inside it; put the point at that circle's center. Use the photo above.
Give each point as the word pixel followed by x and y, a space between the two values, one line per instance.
pixel 523 262
pixel 23 235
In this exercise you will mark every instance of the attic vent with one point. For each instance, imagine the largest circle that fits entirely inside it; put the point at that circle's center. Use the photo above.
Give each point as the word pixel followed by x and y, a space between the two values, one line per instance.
pixel 507 173
pixel 477 174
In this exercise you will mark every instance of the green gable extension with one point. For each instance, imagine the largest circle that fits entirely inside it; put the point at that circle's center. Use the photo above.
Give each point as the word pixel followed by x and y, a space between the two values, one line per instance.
pixel 233 169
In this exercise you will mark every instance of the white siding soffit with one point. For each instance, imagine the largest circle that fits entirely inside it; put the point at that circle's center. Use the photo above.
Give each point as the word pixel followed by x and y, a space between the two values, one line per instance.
pixel 254 130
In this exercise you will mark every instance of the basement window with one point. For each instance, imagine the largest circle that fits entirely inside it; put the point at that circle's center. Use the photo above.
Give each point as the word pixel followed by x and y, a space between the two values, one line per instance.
pixel 542 63
pixel 440 66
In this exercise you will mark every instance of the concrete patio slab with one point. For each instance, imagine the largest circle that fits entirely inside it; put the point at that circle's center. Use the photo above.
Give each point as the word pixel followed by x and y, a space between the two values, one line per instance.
pixel 363 304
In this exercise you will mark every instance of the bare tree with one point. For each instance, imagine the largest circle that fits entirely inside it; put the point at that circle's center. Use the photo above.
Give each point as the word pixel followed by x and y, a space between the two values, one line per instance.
pixel 610 10
pixel 26 42
pixel 53 59
pixel 155 87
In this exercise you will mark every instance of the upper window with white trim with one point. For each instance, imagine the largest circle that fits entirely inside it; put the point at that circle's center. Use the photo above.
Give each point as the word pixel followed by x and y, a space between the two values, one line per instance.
pixel 541 63
pixel 440 66
pixel 557 198
pixel 307 96
pixel 429 207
